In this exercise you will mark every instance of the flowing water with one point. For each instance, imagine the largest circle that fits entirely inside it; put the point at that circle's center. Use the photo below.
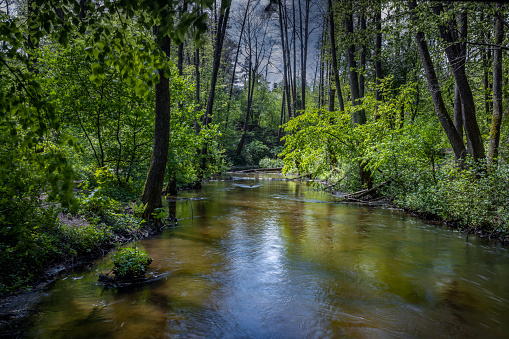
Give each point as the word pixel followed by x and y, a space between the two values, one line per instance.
pixel 275 259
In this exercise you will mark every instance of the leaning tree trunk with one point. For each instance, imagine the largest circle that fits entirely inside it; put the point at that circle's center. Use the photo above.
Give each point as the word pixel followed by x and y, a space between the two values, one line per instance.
pixel 436 94
pixel 152 192
pixel 454 55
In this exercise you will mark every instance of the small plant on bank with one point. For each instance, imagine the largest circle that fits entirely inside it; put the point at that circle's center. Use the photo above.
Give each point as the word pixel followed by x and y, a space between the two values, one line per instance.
pixel 130 263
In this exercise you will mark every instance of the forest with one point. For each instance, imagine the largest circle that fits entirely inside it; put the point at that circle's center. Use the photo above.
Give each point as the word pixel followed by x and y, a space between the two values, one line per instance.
pixel 107 107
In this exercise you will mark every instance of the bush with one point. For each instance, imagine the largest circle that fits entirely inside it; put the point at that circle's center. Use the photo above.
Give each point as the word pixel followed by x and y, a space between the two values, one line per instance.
pixel 130 263
pixel 271 163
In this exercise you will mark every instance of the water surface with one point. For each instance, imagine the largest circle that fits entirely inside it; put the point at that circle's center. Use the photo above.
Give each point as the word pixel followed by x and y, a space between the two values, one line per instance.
pixel 276 259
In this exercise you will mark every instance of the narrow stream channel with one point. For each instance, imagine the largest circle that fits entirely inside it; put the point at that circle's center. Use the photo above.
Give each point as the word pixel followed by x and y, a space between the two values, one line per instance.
pixel 275 259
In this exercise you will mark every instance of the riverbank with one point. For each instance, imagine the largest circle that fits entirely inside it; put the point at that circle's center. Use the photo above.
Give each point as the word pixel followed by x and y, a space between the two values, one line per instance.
pixel 16 306
pixel 48 241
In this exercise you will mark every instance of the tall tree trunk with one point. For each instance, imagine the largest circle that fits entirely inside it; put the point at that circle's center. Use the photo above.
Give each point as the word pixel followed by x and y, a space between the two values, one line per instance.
pixel 496 121
pixel 282 118
pixel 221 32
pixel 434 88
pixel 322 59
pixel 153 188
pixel 250 85
pixel 294 88
pixel 362 86
pixel 198 84
pixel 332 32
pixel 171 186
pixel 284 42
pixel 235 64
pixel 455 57
pixel 359 117
pixel 378 54
pixel 458 112
pixel 331 94
pixel 458 104
pixel 304 52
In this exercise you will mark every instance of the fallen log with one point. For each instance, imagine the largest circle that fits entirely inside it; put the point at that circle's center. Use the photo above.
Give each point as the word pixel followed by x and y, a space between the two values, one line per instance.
pixel 359 194
pixel 271 169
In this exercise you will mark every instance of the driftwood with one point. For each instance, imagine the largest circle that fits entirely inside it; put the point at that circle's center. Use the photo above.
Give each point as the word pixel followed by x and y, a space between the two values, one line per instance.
pixel 359 194
pixel 272 169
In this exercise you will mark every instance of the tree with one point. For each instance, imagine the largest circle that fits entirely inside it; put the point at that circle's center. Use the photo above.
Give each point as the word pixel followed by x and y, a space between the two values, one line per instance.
pixel 456 59
pixel 496 121
pixel 332 31
pixel 220 35
pixel 434 88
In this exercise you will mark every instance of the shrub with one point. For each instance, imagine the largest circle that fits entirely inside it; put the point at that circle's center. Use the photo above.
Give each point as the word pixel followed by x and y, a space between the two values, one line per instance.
pixel 271 163
pixel 130 263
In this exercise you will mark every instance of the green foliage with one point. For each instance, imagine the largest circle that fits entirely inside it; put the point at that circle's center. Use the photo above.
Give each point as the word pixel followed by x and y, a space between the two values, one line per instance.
pixel 130 263
pixel 255 151
pixel 471 198
pixel 271 163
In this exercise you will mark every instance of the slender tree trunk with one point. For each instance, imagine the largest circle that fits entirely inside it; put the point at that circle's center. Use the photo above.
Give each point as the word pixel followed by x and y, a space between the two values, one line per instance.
pixel 304 52
pixel 285 59
pixel 198 84
pixel 221 32
pixel 250 84
pixel 152 192
pixel 294 88
pixel 378 55
pixel 436 94
pixel 235 64
pixel 485 59
pixel 359 117
pixel 496 121
pixel 282 118
pixel 458 104
pixel 331 94
pixel 332 31
pixel 362 86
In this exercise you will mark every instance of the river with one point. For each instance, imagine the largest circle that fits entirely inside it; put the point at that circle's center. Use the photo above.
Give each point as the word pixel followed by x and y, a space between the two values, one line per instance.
pixel 275 259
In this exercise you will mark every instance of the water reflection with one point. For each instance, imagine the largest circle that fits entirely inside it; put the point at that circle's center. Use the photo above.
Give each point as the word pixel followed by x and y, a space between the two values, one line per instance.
pixel 263 259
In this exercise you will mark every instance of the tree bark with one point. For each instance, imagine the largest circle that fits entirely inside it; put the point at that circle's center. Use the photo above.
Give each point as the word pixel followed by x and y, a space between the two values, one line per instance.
pixel 359 117
pixel 304 54
pixel 250 84
pixel 456 60
pixel 285 60
pixel 334 57
pixel 458 112
pixel 152 191
pixel 235 64
pixel 496 120
pixel 434 88
pixel 221 32
pixel 362 56
pixel 378 56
